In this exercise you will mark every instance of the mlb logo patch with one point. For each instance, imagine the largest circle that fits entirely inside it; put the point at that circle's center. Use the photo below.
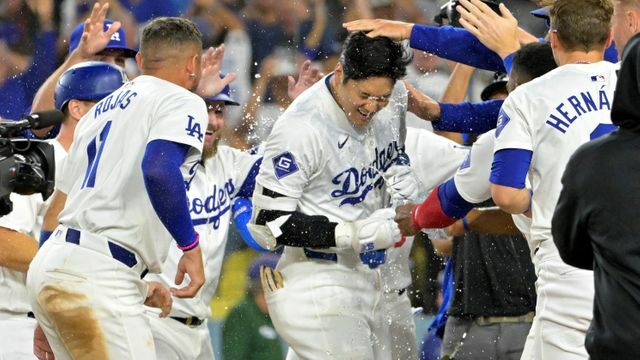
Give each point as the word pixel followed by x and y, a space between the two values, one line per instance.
pixel 284 165
pixel 598 78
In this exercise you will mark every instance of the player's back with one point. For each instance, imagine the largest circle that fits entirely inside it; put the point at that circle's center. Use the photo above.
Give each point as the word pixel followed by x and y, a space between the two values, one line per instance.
pixel 562 110
pixel 103 177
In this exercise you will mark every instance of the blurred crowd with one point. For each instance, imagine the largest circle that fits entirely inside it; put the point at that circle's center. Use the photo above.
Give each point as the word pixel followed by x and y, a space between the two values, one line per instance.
pixel 266 40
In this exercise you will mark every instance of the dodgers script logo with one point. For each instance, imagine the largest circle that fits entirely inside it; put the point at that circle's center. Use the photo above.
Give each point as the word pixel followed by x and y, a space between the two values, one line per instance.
pixel 354 184
pixel 212 206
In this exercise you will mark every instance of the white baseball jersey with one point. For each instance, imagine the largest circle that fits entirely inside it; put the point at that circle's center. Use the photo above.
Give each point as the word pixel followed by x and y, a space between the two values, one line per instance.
pixel 211 192
pixel 23 219
pixel 472 178
pixel 315 155
pixel 434 159
pixel 104 180
pixel 552 116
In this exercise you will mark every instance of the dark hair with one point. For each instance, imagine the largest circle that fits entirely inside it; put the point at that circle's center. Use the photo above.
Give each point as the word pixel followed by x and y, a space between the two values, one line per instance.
pixel 169 33
pixel 364 57
pixel 582 25
pixel 533 60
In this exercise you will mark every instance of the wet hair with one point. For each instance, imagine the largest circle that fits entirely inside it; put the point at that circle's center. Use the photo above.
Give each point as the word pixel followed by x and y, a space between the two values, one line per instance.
pixel 533 60
pixel 364 57
pixel 169 34
pixel 582 25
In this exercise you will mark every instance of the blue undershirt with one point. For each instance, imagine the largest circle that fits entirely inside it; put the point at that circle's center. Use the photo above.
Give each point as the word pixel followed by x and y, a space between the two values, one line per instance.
pixel 510 167
pixel 466 117
pixel 165 186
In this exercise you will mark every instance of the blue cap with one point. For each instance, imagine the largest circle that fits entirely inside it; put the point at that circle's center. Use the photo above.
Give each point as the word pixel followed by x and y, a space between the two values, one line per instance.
pixel 224 95
pixel 118 39
pixel 269 259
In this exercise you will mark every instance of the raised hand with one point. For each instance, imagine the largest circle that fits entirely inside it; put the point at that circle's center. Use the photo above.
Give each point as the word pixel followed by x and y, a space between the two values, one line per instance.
pixel 395 30
pixel 94 39
pixel 498 32
pixel 211 83
pixel 421 105
pixel 306 77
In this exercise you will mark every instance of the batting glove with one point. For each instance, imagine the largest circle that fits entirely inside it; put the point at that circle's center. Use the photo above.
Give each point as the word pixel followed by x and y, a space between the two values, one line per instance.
pixel 402 184
pixel 378 231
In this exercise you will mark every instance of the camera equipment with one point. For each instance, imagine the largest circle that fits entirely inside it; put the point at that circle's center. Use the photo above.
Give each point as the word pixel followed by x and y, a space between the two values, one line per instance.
pixel 448 12
pixel 26 166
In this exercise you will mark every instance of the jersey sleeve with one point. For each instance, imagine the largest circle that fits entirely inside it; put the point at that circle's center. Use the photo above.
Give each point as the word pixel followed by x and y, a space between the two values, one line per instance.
pixel 181 119
pixel 434 158
pixel 247 166
pixel 292 156
pixel 514 130
pixel 64 181
pixel 25 211
pixel 472 178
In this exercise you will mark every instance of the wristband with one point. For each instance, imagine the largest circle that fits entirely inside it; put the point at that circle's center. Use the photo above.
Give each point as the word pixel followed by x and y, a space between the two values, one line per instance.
pixel 191 246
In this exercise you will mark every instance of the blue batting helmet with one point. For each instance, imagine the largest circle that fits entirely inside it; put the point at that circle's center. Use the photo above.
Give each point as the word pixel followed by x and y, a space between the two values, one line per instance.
pixel 91 80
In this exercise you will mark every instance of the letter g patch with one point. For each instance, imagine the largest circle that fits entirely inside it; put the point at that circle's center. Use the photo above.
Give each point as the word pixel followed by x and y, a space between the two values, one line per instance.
pixel 284 165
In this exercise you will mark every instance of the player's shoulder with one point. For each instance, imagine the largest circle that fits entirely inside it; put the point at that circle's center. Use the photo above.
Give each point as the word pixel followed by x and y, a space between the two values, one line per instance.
pixel 162 89
pixel 308 112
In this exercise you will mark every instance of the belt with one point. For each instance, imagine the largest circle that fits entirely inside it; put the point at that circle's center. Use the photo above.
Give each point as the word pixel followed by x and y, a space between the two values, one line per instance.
pixel 320 255
pixel 189 321
pixel 489 320
pixel 117 252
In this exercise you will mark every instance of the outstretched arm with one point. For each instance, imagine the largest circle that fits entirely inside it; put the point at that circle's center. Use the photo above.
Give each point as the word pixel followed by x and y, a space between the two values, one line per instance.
pixel 94 39
pixel 448 42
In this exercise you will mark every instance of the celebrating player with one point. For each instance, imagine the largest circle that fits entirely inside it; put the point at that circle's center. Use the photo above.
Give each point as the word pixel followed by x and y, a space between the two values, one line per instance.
pixel 125 199
pixel 223 174
pixel 96 39
pixel 78 89
pixel 541 124
pixel 320 192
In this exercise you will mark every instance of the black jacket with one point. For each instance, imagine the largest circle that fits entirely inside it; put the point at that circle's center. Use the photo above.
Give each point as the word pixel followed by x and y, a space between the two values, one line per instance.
pixel 596 224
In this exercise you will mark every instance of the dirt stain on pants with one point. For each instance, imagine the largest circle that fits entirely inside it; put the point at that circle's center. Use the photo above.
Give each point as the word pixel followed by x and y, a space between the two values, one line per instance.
pixel 74 322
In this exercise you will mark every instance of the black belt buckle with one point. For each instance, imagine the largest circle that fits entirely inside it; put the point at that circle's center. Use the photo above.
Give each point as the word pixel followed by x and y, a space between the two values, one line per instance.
pixel 189 321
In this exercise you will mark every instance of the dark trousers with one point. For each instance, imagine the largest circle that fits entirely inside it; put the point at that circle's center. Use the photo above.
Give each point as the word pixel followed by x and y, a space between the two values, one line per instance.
pixel 491 342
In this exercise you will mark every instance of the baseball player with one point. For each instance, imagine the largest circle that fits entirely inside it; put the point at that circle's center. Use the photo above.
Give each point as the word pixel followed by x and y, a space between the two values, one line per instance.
pixel 223 174
pixel 96 39
pixel 470 186
pixel 540 126
pixel 123 189
pixel 321 192
pixel 78 89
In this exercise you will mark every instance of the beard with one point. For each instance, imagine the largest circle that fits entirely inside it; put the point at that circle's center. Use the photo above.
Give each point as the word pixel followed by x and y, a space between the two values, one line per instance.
pixel 209 152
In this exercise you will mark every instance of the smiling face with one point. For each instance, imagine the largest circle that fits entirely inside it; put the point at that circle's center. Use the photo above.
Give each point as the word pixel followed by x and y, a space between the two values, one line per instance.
pixel 361 99
pixel 215 126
